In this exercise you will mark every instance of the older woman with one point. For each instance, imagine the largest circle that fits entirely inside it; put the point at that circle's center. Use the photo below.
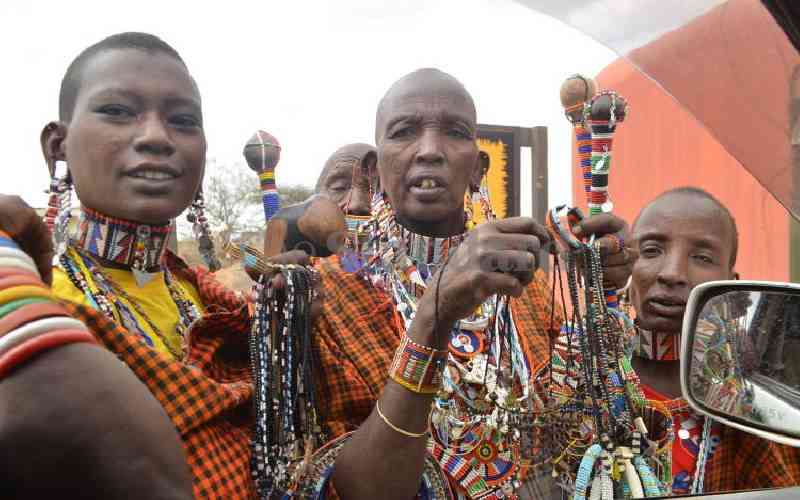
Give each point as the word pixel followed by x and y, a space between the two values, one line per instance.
pixel 383 341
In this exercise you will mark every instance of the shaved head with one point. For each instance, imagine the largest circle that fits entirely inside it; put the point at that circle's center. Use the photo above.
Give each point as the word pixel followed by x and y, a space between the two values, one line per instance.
pixel 351 155
pixel 424 84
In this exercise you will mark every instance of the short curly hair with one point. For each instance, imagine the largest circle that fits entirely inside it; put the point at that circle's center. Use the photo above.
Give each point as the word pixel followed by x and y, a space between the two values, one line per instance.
pixel 71 82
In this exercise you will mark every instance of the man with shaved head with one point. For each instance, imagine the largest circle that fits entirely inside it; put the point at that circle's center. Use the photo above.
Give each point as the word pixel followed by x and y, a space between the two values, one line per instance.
pixel 427 158
pixel 346 175
pixel 686 237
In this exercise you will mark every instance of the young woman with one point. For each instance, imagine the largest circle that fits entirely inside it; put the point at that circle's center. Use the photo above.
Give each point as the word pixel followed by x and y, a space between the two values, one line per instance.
pixel 130 134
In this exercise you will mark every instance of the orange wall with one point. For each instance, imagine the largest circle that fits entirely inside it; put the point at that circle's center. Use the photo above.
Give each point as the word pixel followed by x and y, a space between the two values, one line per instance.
pixel 661 146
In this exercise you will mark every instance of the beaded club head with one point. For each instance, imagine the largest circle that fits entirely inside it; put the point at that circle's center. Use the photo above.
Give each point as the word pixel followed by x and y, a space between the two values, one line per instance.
pixel 575 92
pixel 262 153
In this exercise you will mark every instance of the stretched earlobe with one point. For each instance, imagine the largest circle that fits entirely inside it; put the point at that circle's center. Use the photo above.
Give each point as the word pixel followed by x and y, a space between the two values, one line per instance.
pixel 480 171
pixel 52 143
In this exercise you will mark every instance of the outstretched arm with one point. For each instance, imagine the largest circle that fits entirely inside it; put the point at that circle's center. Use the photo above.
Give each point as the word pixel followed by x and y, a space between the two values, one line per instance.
pixel 76 420
pixel 382 459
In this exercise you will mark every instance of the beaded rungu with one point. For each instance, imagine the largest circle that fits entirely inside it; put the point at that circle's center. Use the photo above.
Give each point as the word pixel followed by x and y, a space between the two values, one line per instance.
pixel 599 452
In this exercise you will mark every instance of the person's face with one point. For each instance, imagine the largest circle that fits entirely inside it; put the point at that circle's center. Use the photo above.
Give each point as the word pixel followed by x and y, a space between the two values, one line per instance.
pixel 347 183
pixel 427 155
pixel 683 241
pixel 135 146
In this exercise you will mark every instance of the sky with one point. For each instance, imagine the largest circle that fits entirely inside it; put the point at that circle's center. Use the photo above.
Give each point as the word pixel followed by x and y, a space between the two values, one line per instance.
pixel 310 72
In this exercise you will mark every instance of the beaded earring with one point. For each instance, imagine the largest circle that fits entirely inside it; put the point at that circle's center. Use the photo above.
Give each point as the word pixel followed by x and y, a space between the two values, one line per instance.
pixel 59 205
pixel 200 228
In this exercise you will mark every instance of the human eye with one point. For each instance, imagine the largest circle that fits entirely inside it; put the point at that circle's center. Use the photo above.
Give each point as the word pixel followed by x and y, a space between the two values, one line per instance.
pixel 339 187
pixel 459 132
pixel 402 131
pixel 649 250
pixel 704 258
pixel 116 111
pixel 186 121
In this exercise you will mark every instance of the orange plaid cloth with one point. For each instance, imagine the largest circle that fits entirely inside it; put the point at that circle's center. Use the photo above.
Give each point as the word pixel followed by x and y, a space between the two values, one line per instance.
pixel 743 461
pixel 738 460
pixel 357 337
pixel 208 396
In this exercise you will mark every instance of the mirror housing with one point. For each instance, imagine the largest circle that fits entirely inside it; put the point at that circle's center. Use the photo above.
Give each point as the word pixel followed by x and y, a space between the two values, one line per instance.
pixel 730 371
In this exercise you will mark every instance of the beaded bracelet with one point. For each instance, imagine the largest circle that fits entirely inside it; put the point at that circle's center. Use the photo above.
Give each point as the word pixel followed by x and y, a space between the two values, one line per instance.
pixel 31 319
pixel 36 328
pixel 27 314
pixel 43 342
pixel 418 368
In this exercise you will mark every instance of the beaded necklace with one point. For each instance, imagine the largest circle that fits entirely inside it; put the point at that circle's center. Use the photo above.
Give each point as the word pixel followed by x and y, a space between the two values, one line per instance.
pixel 123 241
pixel 657 346
pixel 484 404
pixel 286 425
pixel 129 244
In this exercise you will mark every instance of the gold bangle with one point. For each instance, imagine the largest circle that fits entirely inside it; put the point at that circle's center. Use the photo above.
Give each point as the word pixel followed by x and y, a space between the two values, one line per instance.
pixel 395 428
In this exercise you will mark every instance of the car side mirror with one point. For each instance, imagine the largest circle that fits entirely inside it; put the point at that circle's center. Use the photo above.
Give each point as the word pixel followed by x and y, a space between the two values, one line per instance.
pixel 740 356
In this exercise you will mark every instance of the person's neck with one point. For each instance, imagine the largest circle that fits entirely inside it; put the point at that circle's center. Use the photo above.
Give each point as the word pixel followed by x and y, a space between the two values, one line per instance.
pixel 663 377
pixel 121 244
pixel 441 229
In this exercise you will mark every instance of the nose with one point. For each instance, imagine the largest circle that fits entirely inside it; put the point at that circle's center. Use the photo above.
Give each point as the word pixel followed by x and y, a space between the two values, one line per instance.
pixel 675 270
pixel 430 146
pixel 154 138
pixel 357 202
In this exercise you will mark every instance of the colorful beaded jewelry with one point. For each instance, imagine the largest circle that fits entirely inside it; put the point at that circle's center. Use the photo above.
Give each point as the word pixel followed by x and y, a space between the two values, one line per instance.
pixel 138 246
pixel 418 368
pixel 485 402
pixel 31 320
pixel 100 233
pixel 286 426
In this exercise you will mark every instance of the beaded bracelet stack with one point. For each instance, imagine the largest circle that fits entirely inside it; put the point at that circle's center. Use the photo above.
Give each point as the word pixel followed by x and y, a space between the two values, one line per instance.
pixel 31 319
pixel 418 368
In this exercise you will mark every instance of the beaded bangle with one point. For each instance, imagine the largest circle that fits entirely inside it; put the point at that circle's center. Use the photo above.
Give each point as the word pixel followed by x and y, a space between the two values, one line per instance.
pixel 16 263
pixel 19 279
pixel 29 313
pixel 394 427
pixel 18 355
pixel 31 320
pixel 35 328
pixel 418 368
pixel 585 471
pixel 23 292
pixel 14 252
pixel 13 306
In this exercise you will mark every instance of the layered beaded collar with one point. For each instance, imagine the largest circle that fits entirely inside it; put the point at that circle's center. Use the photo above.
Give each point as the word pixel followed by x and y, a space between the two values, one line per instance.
pixel 138 246
pixel 391 248
pixel 657 346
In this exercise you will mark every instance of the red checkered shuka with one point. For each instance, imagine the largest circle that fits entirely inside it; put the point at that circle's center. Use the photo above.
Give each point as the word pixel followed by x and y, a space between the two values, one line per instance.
pixel 208 396
pixel 356 337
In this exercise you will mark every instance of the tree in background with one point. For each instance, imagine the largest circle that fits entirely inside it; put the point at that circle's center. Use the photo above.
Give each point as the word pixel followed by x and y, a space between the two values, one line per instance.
pixel 233 207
